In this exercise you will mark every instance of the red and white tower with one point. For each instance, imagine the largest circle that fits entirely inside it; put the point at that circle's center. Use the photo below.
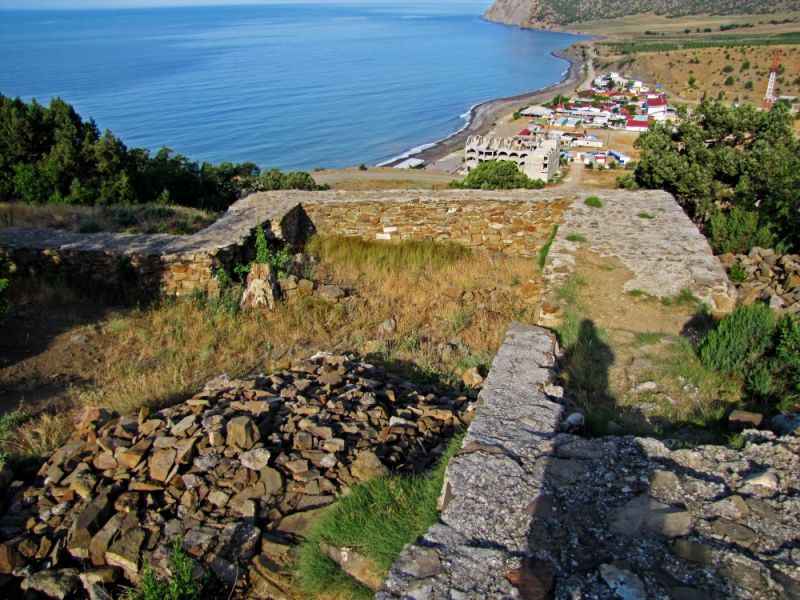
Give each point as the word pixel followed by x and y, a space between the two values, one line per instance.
pixel 769 97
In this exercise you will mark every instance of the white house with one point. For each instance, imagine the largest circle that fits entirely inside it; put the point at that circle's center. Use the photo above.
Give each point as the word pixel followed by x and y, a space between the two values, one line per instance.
pixel 537 156
pixel 656 106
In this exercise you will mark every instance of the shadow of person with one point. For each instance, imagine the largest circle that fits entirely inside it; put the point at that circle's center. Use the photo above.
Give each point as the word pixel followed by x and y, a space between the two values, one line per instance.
pixel 586 364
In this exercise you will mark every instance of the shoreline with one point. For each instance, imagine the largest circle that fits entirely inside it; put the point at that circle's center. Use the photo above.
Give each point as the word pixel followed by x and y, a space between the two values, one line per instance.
pixel 484 114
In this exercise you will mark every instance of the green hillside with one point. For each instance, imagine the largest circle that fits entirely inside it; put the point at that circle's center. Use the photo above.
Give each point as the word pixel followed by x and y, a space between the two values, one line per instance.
pixel 563 12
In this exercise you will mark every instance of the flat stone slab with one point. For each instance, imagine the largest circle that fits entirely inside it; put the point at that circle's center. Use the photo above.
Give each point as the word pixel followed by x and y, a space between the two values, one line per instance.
pixel 665 253
pixel 482 533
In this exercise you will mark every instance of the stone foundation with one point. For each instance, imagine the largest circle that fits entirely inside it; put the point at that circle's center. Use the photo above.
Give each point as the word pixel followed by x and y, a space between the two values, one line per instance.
pixel 530 511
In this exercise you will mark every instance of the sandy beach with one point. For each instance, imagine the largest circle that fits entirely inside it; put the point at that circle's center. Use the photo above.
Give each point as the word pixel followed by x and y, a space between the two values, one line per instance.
pixel 483 115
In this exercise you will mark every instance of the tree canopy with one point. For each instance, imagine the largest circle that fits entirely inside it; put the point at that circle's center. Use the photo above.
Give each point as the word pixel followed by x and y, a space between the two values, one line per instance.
pixel 720 158
pixel 51 155
pixel 497 175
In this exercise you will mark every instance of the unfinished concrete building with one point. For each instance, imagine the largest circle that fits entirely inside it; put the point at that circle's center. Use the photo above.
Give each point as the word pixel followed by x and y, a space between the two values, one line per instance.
pixel 536 156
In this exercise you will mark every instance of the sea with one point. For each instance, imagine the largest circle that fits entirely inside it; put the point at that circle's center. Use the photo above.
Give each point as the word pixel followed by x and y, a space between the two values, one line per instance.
pixel 288 85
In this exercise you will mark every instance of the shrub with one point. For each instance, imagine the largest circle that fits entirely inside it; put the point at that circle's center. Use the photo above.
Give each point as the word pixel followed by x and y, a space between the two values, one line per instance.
pixel 750 343
pixel 88 226
pixel 737 273
pixel 545 249
pixel 276 260
pixel 645 215
pixel 594 202
pixel 739 340
pixel 181 585
pixel 362 167
pixel 498 175
pixel 627 182
pixel 4 283
pixel 738 231
pixel 730 80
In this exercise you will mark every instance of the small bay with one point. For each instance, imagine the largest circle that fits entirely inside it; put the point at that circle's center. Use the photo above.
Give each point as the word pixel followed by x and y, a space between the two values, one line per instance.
pixel 296 86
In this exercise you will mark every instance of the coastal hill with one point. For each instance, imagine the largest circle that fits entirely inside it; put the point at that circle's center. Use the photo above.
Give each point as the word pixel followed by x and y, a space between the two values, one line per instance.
pixel 532 13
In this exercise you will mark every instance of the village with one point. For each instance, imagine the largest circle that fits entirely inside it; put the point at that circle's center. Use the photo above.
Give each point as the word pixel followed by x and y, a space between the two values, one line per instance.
pixel 558 132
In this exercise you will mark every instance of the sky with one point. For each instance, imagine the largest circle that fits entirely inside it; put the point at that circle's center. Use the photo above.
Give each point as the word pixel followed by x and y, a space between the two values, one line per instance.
pixel 69 4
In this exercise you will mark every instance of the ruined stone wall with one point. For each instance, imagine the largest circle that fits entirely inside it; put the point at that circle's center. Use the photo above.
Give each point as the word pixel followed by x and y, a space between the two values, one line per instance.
pixel 139 265
pixel 515 223
pixel 512 222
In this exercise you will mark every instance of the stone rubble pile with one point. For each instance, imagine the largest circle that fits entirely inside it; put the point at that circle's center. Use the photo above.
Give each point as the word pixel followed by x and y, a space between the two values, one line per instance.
pixel 771 277
pixel 236 473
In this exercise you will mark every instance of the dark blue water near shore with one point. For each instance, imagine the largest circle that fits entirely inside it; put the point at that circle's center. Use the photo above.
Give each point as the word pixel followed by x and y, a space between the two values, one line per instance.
pixel 294 86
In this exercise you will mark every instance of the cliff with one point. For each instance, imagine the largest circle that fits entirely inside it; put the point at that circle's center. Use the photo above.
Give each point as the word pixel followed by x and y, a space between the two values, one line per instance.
pixel 547 13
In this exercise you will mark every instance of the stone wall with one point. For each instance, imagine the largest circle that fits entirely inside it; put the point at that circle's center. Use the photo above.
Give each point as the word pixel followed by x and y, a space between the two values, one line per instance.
pixel 147 265
pixel 512 222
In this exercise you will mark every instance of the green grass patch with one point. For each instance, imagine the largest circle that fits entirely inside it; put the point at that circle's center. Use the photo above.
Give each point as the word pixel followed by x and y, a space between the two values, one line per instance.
pixel 474 359
pixel 647 338
pixel 461 318
pixel 568 292
pixel 545 250
pixel 376 518
pixel 737 273
pixel 641 294
pixel 683 298
pixel 9 423
pixel 645 215
pixel 576 237
pixel 683 361
pixel 594 202
pixel 408 255
pixel 182 583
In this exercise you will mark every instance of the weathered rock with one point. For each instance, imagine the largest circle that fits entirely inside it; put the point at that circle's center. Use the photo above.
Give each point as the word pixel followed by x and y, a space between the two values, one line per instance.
pixel 472 378
pixel 693 551
pixel 743 419
pixel 363 570
pixel 366 466
pixel 55 583
pixel 330 293
pixel 624 583
pixel 242 432
pixel 262 289
pixel 643 515
pixel 161 462
pixel 124 552
pixel 255 459
pixel 10 559
pixel 535 579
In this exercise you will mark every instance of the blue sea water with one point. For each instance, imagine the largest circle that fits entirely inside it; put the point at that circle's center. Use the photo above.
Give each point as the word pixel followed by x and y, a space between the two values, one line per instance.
pixel 296 86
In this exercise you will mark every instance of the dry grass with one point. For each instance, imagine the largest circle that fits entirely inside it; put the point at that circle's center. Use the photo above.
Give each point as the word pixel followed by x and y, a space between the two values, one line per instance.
pixel 638 24
pixel 438 294
pixel 673 69
pixel 146 218
pixel 382 178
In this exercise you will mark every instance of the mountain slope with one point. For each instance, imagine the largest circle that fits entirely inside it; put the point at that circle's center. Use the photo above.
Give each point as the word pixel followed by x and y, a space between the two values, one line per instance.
pixel 530 13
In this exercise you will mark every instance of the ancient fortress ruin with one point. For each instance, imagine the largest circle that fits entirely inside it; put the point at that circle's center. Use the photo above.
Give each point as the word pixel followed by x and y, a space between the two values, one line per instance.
pixel 535 155
pixel 528 510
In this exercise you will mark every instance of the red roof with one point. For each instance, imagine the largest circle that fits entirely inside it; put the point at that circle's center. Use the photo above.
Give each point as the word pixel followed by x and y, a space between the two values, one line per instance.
pixel 635 123
pixel 660 101
pixel 525 132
